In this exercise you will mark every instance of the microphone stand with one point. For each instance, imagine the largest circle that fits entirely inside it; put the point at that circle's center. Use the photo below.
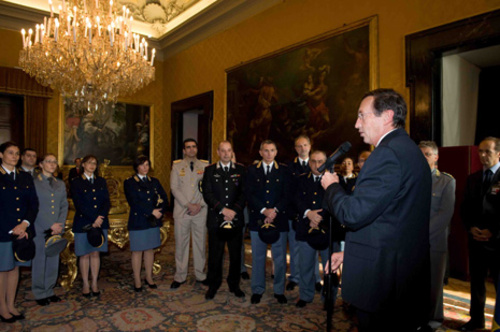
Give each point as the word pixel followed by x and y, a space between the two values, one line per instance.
pixel 331 279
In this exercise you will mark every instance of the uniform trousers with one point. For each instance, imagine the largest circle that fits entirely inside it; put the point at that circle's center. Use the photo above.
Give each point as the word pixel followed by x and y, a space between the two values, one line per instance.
pixel 195 228
pixel 480 261
pixel 44 271
pixel 308 258
pixel 438 269
pixel 259 255
pixel 216 257
pixel 294 254
pixel 245 215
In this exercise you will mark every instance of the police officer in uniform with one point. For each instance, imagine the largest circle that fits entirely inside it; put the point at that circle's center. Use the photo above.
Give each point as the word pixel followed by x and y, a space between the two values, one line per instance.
pixel 267 194
pixel 19 206
pixel 91 198
pixel 299 166
pixel 222 189
pixel 148 202
pixel 309 199
pixel 190 212
pixel 442 207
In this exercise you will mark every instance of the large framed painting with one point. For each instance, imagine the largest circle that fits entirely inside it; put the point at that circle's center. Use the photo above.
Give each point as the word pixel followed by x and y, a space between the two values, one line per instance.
pixel 312 88
pixel 118 134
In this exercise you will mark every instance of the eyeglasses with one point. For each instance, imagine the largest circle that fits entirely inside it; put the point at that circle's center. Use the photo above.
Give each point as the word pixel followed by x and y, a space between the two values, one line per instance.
pixel 362 116
pixel 50 161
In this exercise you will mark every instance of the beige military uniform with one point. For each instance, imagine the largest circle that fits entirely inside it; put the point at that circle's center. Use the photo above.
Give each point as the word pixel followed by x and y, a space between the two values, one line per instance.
pixel 184 184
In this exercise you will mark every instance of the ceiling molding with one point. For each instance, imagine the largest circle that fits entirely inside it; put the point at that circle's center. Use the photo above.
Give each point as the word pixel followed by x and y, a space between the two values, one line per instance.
pixel 219 17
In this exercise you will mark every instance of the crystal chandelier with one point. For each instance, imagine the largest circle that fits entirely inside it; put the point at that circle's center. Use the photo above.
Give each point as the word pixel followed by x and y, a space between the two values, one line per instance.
pixel 88 53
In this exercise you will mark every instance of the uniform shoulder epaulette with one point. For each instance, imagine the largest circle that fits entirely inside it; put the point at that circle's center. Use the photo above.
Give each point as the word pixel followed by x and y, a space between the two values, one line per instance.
pixel 304 174
pixel 239 164
pixel 212 164
pixel 448 174
pixel 177 161
pixel 283 164
pixel 203 161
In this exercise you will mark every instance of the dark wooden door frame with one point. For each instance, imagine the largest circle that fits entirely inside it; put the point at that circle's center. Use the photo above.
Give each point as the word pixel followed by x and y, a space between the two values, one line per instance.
pixel 424 52
pixel 204 102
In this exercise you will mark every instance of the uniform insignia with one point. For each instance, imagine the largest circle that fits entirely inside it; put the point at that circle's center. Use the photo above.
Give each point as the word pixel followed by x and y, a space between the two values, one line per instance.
pixel 235 176
pixel 177 161
pixel 203 161
pixel 451 176
pixel 2 171
pixel 259 164
pixel 136 178
pixel 216 176
pixel 200 171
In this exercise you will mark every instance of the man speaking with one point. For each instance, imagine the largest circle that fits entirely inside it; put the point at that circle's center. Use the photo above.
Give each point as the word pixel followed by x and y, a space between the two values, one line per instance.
pixel 386 259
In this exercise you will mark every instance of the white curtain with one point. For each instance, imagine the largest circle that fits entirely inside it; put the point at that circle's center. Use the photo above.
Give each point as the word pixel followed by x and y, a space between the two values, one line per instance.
pixel 460 95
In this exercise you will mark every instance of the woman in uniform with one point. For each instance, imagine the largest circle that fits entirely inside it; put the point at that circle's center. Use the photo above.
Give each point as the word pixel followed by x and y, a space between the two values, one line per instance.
pixel 19 206
pixel 348 178
pixel 148 202
pixel 51 217
pixel 91 198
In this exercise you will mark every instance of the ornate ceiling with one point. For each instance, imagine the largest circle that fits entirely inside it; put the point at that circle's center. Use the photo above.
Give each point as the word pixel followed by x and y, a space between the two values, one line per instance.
pixel 171 25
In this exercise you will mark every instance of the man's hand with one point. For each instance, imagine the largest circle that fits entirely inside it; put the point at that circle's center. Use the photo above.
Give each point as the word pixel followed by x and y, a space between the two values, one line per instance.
pixel 480 234
pixel 314 217
pixel 228 214
pixel 56 228
pixel 270 213
pixel 337 259
pixel 157 213
pixel 328 178
pixel 193 209
pixel 98 222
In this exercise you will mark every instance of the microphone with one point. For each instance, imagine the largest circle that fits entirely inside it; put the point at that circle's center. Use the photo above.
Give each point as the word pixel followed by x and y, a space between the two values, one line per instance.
pixel 330 162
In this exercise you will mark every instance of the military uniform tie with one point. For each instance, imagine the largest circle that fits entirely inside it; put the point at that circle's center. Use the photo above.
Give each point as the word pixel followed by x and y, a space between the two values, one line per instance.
pixel 191 166
pixel 11 174
pixel 51 181
pixel 268 170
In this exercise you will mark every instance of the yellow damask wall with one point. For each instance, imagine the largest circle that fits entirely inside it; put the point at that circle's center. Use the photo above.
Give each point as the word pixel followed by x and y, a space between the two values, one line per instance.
pixel 202 67
pixel 151 95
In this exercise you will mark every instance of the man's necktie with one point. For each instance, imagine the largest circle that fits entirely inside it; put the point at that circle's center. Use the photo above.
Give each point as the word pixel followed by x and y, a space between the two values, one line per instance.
pixel 317 179
pixel 191 166
pixel 268 169
pixel 304 164
pixel 12 176
pixel 488 176
pixel 226 169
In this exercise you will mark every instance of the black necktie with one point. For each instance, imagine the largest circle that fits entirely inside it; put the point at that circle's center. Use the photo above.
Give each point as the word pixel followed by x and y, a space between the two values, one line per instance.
pixel 12 176
pixel 51 181
pixel 191 166
pixel 488 176
pixel 226 169
pixel 144 179
pixel 268 169
pixel 304 164
pixel 92 180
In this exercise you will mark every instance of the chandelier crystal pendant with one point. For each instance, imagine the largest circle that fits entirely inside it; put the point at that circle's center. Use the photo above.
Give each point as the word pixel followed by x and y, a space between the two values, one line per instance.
pixel 88 53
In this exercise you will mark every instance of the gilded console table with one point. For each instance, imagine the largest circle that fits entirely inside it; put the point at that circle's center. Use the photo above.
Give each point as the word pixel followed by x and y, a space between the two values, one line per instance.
pixel 117 234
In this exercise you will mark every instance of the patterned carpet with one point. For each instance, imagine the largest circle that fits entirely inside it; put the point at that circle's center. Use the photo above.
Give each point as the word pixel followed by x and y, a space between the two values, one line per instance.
pixel 119 308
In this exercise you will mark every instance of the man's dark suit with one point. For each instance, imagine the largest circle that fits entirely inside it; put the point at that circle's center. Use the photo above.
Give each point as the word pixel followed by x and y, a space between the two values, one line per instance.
pixel 221 190
pixel 386 259
pixel 73 173
pixel 483 212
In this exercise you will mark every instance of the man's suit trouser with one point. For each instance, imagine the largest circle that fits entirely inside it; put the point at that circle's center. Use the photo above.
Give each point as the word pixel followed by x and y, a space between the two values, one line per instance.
pixel 480 261
pixel 196 229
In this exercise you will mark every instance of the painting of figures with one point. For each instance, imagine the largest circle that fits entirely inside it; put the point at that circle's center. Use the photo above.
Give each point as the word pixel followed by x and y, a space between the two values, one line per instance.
pixel 313 88
pixel 119 133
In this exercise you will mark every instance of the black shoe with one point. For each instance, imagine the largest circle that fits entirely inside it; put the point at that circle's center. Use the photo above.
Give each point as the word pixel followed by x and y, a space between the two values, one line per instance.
pixel 96 293
pixel 281 298
pixel 8 320
pixel 291 285
pixel 318 287
pixel 152 286
pixel 54 299
pixel 176 284
pixel 255 298
pixel 301 304
pixel 237 292
pixel 245 275
pixel 18 317
pixel 87 295
pixel 137 289
pixel 210 293
pixel 204 282
pixel 471 326
pixel 43 302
